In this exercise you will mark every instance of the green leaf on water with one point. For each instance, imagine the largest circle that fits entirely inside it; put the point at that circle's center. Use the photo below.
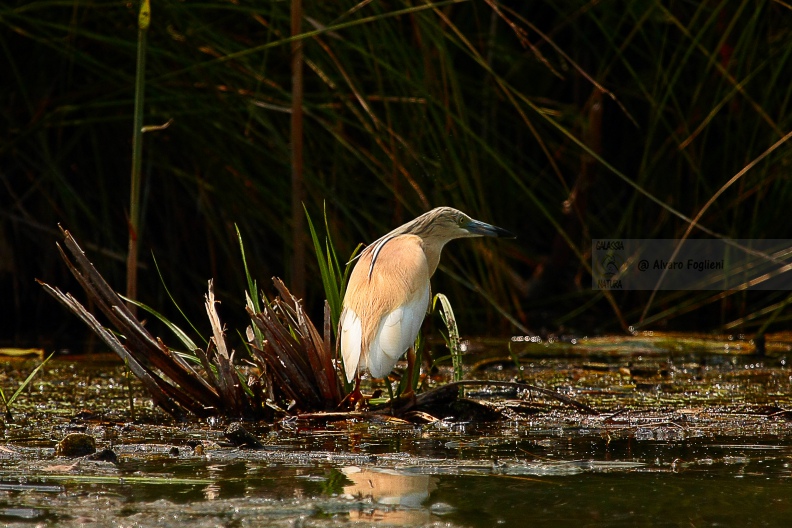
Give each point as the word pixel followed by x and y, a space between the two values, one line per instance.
pixel 97 479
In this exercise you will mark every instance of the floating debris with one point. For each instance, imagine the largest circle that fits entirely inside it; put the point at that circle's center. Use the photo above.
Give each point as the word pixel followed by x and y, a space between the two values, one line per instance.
pixel 241 437
pixel 76 445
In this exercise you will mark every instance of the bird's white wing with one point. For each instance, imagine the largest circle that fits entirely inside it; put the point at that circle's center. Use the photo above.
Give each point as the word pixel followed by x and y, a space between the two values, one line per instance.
pixel 351 338
pixel 396 333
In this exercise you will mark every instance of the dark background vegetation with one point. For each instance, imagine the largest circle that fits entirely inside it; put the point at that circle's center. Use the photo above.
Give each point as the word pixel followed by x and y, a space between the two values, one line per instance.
pixel 561 121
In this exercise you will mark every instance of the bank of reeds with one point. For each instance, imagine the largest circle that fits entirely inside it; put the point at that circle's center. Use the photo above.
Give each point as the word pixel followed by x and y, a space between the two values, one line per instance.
pixel 563 121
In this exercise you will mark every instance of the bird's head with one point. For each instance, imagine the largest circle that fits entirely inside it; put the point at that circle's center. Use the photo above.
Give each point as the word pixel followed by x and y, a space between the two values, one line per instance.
pixel 447 223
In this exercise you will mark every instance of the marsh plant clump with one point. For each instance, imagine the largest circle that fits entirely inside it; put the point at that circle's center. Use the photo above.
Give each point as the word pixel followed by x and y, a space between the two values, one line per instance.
pixel 295 368
pixel 294 363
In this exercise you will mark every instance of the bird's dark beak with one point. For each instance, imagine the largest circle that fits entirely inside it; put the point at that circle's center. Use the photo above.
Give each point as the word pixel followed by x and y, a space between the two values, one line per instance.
pixel 480 228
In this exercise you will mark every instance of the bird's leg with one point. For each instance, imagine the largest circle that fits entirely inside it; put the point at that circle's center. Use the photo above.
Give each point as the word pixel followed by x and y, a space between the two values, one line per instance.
pixel 409 393
pixel 359 402
pixel 355 397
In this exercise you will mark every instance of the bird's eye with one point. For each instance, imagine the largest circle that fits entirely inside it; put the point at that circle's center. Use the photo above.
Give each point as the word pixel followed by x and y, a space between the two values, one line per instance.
pixel 462 221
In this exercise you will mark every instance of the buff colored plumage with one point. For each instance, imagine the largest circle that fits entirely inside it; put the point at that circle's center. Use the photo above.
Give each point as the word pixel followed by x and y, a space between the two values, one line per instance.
pixel 388 292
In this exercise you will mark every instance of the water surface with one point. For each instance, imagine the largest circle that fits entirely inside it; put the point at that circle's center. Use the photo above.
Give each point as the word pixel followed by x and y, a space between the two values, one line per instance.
pixel 688 435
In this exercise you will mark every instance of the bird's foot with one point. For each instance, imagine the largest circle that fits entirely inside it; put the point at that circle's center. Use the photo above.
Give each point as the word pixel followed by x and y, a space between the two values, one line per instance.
pixel 355 399
pixel 406 399
pixel 363 403
pixel 409 394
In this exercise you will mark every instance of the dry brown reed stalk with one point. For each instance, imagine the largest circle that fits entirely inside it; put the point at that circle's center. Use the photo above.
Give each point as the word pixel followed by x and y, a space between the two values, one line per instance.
pixel 300 360
pixel 173 383
pixel 299 363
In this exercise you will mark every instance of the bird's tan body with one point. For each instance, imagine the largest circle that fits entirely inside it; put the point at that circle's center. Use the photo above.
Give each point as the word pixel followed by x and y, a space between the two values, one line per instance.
pixel 388 293
pixel 385 305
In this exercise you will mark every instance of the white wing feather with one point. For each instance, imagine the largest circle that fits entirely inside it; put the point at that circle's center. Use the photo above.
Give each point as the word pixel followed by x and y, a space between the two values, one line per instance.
pixel 351 339
pixel 396 333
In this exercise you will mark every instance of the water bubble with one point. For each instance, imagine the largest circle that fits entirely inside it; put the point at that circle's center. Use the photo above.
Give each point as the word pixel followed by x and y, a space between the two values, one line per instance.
pixel 441 508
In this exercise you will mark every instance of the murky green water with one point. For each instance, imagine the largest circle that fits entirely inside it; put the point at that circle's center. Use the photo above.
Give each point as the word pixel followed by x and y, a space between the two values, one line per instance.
pixel 687 438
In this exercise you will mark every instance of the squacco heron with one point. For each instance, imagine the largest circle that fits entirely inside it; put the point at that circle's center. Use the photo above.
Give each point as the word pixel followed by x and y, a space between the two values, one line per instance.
pixel 388 292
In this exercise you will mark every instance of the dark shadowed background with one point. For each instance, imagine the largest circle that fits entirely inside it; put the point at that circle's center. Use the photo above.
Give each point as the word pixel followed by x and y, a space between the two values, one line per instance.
pixel 560 121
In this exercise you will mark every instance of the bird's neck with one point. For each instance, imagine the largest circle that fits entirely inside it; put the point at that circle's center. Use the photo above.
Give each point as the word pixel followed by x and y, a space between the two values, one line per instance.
pixel 432 249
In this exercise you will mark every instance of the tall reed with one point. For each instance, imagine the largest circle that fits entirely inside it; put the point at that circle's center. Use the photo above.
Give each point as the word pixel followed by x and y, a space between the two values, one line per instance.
pixel 144 20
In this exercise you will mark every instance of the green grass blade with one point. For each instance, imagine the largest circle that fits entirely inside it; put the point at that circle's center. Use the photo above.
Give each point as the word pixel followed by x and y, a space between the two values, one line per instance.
pixel 27 381
pixel 416 372
pixel 180 334
pixel 447 315
pixel 517 363
pixel 330 282
pixel 252 286
pixel 252 299
pixel 167 291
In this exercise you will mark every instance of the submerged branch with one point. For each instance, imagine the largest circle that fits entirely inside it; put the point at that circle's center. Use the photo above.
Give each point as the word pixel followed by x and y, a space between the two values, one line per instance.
pixel 450 392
